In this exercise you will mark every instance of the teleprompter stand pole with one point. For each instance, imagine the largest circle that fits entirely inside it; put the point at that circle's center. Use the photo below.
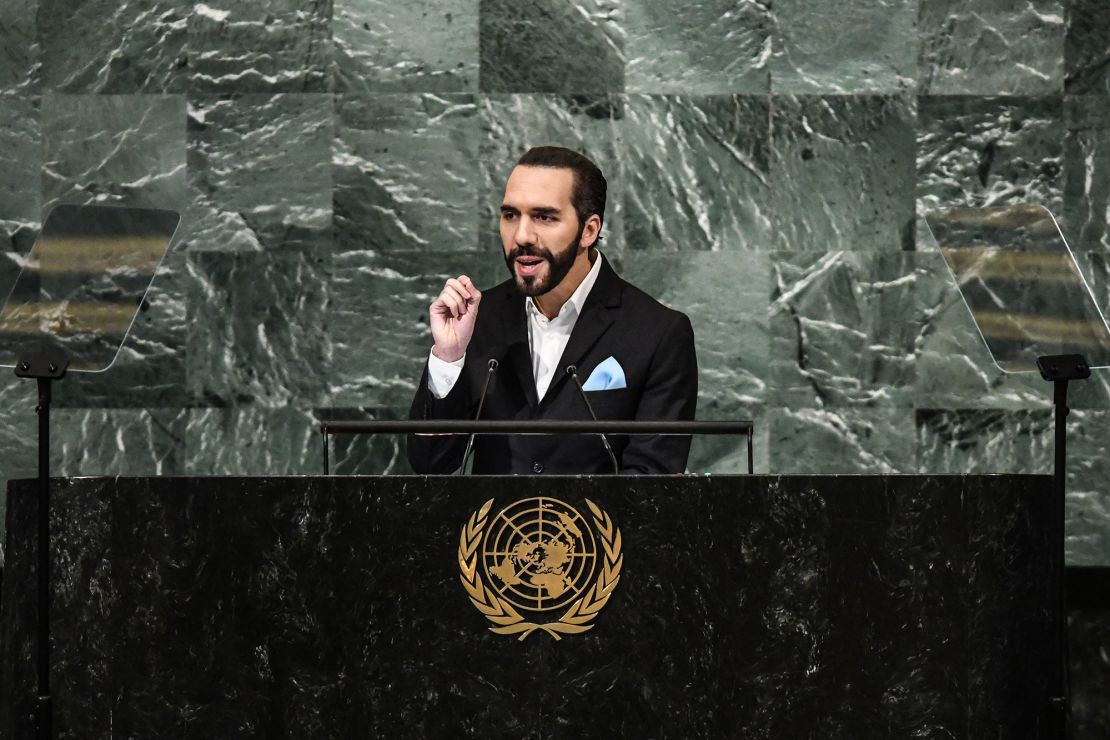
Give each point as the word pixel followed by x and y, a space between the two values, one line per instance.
pixel 45 368
pixel 1059 369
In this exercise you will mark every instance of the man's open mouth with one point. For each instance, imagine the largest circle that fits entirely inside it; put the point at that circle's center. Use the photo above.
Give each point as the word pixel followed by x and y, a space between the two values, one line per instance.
pixel 528 265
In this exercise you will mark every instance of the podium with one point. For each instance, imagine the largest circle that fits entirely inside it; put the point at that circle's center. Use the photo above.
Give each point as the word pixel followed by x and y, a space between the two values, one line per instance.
pixel 747 606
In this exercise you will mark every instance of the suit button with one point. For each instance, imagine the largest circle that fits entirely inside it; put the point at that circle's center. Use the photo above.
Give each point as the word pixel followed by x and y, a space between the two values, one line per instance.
pixel 537 467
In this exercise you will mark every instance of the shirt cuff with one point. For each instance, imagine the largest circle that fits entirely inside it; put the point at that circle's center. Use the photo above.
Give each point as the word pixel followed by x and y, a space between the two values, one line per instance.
pixel 443 375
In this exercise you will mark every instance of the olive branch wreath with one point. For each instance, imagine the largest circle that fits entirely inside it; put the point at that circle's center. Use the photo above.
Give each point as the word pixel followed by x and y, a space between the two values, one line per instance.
pixel 577 619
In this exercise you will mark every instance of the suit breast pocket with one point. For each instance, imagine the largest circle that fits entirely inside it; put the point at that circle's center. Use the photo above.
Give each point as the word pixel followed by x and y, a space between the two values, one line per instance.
pixel 613 405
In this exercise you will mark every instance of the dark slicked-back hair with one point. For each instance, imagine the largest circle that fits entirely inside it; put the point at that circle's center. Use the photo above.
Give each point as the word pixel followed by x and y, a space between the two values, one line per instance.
pixel 588 194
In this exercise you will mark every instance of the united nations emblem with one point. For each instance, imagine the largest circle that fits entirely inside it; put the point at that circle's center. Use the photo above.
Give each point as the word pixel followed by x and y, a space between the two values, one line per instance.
pixel 540 555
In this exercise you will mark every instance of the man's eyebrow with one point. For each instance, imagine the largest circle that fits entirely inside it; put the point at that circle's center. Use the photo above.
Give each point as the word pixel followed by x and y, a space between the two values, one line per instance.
pixel 536 211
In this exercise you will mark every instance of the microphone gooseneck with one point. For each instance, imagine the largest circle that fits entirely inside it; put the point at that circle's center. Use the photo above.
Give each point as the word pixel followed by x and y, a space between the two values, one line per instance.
pixel 481 402
pixel 572 371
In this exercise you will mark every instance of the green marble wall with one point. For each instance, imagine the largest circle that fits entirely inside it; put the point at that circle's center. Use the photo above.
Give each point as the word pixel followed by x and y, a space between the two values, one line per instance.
pixel 335 161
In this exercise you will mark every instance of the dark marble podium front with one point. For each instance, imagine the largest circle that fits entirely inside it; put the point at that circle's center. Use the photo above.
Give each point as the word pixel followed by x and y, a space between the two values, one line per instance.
pixel 748 607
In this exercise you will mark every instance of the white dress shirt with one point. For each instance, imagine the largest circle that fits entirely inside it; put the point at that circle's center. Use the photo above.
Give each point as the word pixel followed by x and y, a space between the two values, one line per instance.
pixel 547 338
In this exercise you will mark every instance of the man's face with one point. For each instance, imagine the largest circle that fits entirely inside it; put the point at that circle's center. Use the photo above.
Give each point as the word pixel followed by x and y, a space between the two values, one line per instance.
pixel 539 227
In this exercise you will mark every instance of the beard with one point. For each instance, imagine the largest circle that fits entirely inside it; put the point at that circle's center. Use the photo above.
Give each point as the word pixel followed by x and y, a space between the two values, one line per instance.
pixel 558 265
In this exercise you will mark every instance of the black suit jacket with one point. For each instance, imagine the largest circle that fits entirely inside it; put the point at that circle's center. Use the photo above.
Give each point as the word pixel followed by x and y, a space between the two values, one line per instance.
pixel 653 344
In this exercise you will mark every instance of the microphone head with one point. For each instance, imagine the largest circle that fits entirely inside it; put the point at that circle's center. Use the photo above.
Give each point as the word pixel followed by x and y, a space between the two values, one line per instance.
pixel 492 364
pixel 572 370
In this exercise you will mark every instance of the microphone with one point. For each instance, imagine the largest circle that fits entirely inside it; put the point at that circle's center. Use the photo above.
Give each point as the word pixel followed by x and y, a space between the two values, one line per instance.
pixel 572 371
pixel 481 402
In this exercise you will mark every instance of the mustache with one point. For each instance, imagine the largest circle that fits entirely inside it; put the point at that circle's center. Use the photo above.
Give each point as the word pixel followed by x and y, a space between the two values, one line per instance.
pixel 530 250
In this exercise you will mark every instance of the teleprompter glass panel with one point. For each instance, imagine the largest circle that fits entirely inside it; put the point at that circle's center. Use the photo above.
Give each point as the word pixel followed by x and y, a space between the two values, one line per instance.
pixel 83 283
pixel 1020 282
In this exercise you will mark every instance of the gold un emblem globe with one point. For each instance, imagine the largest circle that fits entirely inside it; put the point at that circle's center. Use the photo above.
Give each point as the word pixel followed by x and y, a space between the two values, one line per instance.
pixel 539 554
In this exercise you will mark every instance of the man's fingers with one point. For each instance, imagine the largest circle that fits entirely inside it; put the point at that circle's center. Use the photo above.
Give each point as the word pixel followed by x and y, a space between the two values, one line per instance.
pixel 459 286
pixel 457 297
pixel 452 315
pixel 450 303
pixel 475 294
pixel 453 301
pixel 463 304
pixel 466 288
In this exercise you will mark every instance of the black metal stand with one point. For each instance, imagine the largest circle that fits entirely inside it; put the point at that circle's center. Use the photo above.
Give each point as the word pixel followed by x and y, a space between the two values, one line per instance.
pixel 45 368
pixel 1059 369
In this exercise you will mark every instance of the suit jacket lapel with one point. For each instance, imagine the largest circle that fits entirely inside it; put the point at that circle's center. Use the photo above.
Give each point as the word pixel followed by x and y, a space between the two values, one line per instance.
pixel 519 354
pixel 598 313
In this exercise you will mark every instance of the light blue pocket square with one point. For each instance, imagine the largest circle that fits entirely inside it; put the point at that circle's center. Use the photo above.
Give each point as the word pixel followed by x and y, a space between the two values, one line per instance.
pixel 607 376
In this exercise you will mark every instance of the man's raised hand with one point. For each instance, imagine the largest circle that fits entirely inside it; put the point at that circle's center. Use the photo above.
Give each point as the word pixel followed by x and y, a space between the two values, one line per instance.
pixel 452 316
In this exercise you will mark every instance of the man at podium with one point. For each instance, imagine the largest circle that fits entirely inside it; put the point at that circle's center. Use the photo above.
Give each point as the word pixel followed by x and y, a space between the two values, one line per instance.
pixel 563 318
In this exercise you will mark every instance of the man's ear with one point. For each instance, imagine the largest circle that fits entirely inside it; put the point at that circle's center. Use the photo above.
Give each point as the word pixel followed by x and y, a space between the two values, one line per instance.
pixel 590 232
